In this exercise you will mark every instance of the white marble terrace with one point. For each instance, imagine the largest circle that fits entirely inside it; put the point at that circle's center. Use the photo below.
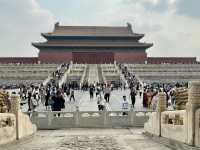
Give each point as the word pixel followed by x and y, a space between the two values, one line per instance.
pixel 24 73
pixel 165 72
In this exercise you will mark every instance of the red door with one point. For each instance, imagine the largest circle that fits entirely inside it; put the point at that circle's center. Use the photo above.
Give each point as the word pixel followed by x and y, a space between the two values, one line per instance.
pixel 93 57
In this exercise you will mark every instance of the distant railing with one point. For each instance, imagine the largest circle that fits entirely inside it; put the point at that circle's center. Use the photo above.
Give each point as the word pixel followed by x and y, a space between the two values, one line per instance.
pixel 88 119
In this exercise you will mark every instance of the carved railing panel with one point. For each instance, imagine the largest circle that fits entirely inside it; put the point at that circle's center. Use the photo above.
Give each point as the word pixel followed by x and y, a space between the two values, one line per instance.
pixel 4 102
pixel 89 119
pixel 7 122
pixel 174 118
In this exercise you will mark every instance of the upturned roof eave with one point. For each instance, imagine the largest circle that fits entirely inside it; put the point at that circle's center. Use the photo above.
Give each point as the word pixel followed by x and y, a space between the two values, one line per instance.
pixel 48 35
pixel 43 45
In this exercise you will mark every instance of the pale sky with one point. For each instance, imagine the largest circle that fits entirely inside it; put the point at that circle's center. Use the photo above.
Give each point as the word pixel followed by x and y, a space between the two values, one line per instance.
pixel 172 25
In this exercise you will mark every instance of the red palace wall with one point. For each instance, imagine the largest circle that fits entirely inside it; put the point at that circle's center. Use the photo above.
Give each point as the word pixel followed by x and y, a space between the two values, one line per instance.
pixel 93 57
pixel 55 57
pixel 172 60
pixel 23 60
pixel 130 57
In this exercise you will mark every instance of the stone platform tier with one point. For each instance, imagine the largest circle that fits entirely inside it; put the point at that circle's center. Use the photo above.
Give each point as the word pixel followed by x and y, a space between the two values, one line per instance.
pixel 165 72
pixel 25 73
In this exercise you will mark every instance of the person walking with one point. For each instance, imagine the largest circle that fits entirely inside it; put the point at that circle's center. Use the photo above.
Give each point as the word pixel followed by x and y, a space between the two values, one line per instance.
pixel 91 90
pixel 101 103
pixel 72 95
pixel 68 91
pixel 47 99
pixel 59 102
pixel 140 91
pixel 29 99
pixel 132 95
pixel 107 92
pixel 98 90
pixel 145 99
pixel 125 106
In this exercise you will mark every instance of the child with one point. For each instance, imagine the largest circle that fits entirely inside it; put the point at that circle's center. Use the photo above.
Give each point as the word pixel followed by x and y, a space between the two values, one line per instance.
pixel 125 106
pixel 101 103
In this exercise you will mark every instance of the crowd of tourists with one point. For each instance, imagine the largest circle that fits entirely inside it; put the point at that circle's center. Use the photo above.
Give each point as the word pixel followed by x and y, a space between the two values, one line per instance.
pixel 54 98
pixel 150 95
pixel 60 71
pixel 133 84
pixel 149 92
pixel 49 95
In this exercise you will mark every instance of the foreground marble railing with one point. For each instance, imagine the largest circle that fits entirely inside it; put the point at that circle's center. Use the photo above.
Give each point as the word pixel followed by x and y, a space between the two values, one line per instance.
pixel 88 119
pixel 15 125
pixel 179 125
pixel 7 128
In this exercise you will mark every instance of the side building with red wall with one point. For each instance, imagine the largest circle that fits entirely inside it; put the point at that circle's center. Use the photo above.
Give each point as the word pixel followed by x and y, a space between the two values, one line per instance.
pixel 21 60
pixel 122 58
pixel 172 60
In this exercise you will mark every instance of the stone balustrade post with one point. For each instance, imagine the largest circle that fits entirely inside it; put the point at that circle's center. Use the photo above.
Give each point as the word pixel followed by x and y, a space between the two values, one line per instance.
pixel 77 117
pixel 15 104
pixel 132 115
pixel 34 118
pixel 161 106
pixel 191 107
pixel 115 63
pixel 50 117
pixel 105 118
pixel 162 102
pixel 15 109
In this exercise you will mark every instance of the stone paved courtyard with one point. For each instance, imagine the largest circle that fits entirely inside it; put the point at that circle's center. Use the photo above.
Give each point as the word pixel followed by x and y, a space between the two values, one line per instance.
pixel 88 139
pixel 85 104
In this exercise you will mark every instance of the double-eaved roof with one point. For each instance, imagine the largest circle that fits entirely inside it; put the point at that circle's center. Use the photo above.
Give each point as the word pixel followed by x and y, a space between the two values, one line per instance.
pixel 92 36
pixel 100 31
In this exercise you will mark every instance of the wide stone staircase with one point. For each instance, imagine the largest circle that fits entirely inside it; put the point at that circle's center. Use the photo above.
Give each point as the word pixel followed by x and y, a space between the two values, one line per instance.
pixel 93 76
pixel 111 74
pixel 101 78
pixel 76 74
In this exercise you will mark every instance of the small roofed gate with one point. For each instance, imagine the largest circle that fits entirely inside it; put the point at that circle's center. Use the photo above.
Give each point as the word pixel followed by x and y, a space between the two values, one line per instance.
pixel 93 57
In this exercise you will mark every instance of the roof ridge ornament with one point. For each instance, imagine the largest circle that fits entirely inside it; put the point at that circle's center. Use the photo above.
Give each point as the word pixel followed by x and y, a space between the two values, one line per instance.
pixel 129 26
pixel 57 24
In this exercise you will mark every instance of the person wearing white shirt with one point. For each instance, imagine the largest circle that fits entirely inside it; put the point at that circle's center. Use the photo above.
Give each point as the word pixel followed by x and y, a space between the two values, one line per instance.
pixel 125 106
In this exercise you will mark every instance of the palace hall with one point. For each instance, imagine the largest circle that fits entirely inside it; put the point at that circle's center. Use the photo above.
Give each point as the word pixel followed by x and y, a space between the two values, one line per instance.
pixel 95 45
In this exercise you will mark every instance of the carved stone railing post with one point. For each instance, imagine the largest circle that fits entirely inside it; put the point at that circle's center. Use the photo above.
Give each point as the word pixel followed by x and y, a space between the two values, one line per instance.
pixel 161 106
pixel 191 107
pixel 34 118
pixel 132 115
pixel 15 109
pixel 4 102
pixel 105 118
pixel 50 117
pixel 77 117
pixel 181 98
